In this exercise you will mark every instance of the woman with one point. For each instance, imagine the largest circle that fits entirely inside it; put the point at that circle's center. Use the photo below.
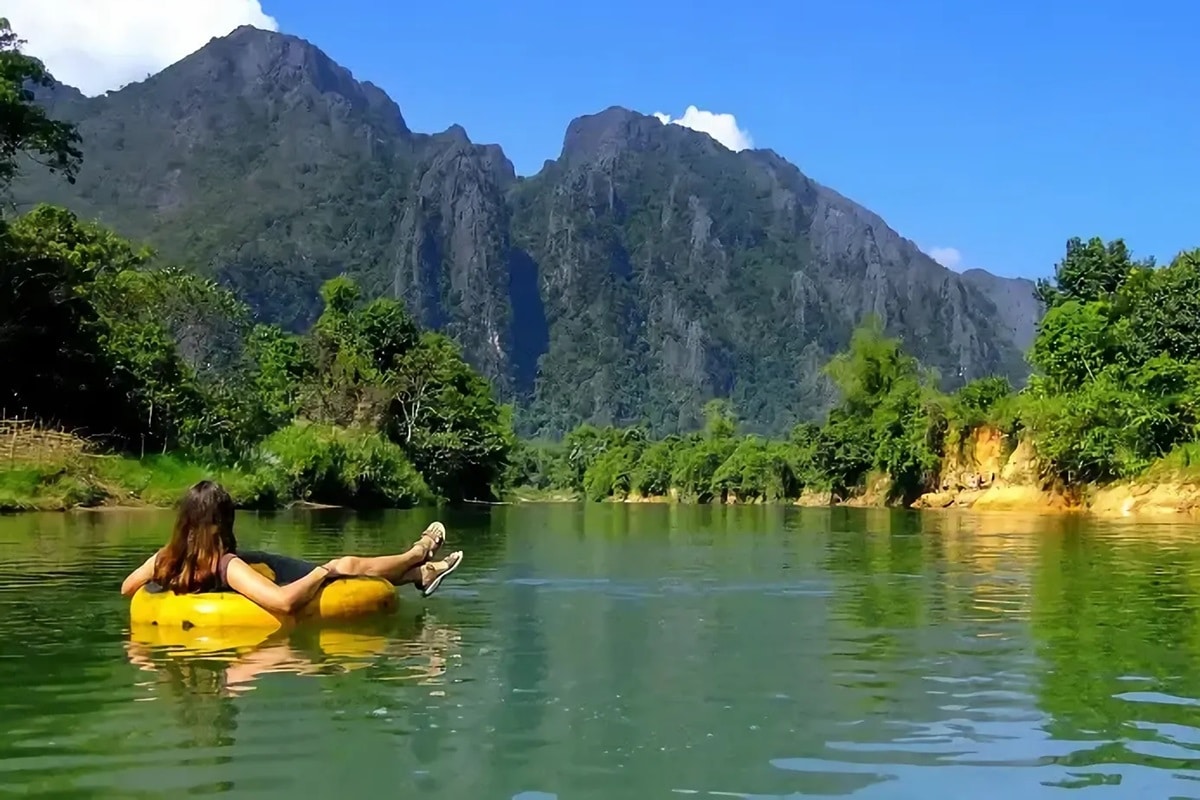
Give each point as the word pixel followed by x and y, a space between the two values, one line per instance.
pixel 203 556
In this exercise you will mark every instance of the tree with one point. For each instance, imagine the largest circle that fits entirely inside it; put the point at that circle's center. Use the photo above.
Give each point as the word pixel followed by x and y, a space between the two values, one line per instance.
pixel 1089 271
pixel 886 419
pixel 1163 307
pixel 720 421
pixel 24 126
pixel 461 443
pixel 374 369
pixel 1118 354
pixel 411 384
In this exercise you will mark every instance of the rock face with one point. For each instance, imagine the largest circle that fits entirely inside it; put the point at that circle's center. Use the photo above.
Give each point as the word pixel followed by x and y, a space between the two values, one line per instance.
pixel 982 474
pixel 1019 309
pixel 989 471
pixel 642 272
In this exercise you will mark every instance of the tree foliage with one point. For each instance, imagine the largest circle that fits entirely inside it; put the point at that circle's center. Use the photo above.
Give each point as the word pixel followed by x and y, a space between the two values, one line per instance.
pixel 1118 360
pixel 153 358
pixel 1089 271
pixel 1116 388
pixel 97 335
pixel 25 128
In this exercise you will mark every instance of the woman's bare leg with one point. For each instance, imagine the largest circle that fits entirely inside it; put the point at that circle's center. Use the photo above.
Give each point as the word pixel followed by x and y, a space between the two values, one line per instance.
pixel 395 567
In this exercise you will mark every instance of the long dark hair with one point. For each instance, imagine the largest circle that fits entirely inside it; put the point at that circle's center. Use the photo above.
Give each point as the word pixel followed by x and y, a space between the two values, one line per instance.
pixel 203 533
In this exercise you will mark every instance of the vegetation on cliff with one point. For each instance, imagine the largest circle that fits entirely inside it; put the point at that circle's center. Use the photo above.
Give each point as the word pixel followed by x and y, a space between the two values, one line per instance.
pixel 147 359
pixel 1115 394
pixel 173 375
pixel 644 271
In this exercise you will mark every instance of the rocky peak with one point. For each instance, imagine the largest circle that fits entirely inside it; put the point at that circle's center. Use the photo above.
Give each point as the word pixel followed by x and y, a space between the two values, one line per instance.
pixel 454 144
pixel 600 137
pixel 253 63
pixel 644 271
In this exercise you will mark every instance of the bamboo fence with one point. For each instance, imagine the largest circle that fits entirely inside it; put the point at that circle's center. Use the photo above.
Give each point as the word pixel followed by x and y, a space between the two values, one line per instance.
pixel 24 441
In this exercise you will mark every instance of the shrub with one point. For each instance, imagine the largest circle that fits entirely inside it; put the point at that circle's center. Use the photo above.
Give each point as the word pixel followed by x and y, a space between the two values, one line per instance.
pixel 329 464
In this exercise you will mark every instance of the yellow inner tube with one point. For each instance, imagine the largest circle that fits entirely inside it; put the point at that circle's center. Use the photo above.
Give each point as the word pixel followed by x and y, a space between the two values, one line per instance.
pixel 344 598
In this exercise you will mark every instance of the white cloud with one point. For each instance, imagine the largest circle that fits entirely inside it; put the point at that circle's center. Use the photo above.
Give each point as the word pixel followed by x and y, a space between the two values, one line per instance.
pixel 97 45
pixel 948 257
pixel 722 127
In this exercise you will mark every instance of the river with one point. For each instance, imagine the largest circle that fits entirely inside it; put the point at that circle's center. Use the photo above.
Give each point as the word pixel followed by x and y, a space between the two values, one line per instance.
pixel 602 651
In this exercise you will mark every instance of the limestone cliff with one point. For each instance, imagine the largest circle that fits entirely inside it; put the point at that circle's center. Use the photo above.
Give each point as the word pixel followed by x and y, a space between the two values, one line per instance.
pixel 642 272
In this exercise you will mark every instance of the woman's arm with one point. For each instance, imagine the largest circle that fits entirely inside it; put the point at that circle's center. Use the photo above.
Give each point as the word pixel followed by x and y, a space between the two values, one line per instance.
pixel 243 579
pixel 139 577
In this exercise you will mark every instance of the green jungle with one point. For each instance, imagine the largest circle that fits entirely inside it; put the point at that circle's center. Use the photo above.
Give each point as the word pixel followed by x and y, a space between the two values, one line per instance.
pixel 163 377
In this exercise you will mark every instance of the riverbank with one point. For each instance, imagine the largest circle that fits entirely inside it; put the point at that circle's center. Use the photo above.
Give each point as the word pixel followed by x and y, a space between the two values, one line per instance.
pixel 1123 500
pixel 99 482
pixel 988 473
pixel 987 470
pixel 302 465
pixel 33 490
pixel 1133 499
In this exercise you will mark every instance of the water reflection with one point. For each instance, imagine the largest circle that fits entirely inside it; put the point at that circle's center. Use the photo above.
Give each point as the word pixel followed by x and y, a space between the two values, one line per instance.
pixel 611 651
pixel 1056 652
pixel 229 662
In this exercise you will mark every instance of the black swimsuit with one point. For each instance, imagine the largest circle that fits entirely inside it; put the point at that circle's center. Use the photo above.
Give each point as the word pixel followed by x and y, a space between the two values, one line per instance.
pixel 286 568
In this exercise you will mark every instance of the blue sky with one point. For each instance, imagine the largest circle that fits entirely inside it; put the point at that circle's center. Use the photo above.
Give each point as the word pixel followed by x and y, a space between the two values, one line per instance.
pixel 998 129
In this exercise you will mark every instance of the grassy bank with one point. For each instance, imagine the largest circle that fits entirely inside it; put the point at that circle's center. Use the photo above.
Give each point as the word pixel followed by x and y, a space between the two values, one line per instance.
pixel 92 481
pixel 301 463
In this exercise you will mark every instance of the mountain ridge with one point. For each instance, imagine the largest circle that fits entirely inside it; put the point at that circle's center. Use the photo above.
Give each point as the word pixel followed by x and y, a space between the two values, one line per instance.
pixel 642 271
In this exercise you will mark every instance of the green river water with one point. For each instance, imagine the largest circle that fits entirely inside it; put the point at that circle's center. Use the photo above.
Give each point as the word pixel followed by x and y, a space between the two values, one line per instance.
pixel 612 651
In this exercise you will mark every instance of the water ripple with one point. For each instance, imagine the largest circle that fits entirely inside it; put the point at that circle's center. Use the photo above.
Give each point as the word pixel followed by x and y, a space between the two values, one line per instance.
pixel 600 652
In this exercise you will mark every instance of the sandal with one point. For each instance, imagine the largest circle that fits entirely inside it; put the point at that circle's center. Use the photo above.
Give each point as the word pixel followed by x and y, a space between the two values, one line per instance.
pixel 453 561
pixel 435 533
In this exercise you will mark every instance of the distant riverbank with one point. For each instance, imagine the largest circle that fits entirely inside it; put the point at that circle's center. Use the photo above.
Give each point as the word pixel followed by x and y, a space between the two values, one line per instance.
pixel 1178 499
pixel 21 491
pixel 986 471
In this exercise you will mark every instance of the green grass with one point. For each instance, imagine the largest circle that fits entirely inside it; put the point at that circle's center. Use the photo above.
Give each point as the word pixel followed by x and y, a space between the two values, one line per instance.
pixel 1181 464
pixel 115 480
pixel 529 494
pixel 301 462
pixel 162 480
pixel 46 488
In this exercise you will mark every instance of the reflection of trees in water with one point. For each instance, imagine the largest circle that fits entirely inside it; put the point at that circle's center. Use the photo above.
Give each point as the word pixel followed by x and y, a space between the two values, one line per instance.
pixel 884 571
pixel 644 624
pixel 904 570
pixel 928 596
pixel 1112 609
pixel 1116 611
pixel 524 661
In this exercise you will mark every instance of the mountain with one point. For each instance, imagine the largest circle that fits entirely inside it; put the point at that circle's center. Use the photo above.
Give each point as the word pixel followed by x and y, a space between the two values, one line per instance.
pixel 1014 298
pixel 642 272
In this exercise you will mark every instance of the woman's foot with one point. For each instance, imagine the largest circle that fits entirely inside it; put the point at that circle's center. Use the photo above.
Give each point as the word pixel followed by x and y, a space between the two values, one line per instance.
pixel 431 540
pixel 434 572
